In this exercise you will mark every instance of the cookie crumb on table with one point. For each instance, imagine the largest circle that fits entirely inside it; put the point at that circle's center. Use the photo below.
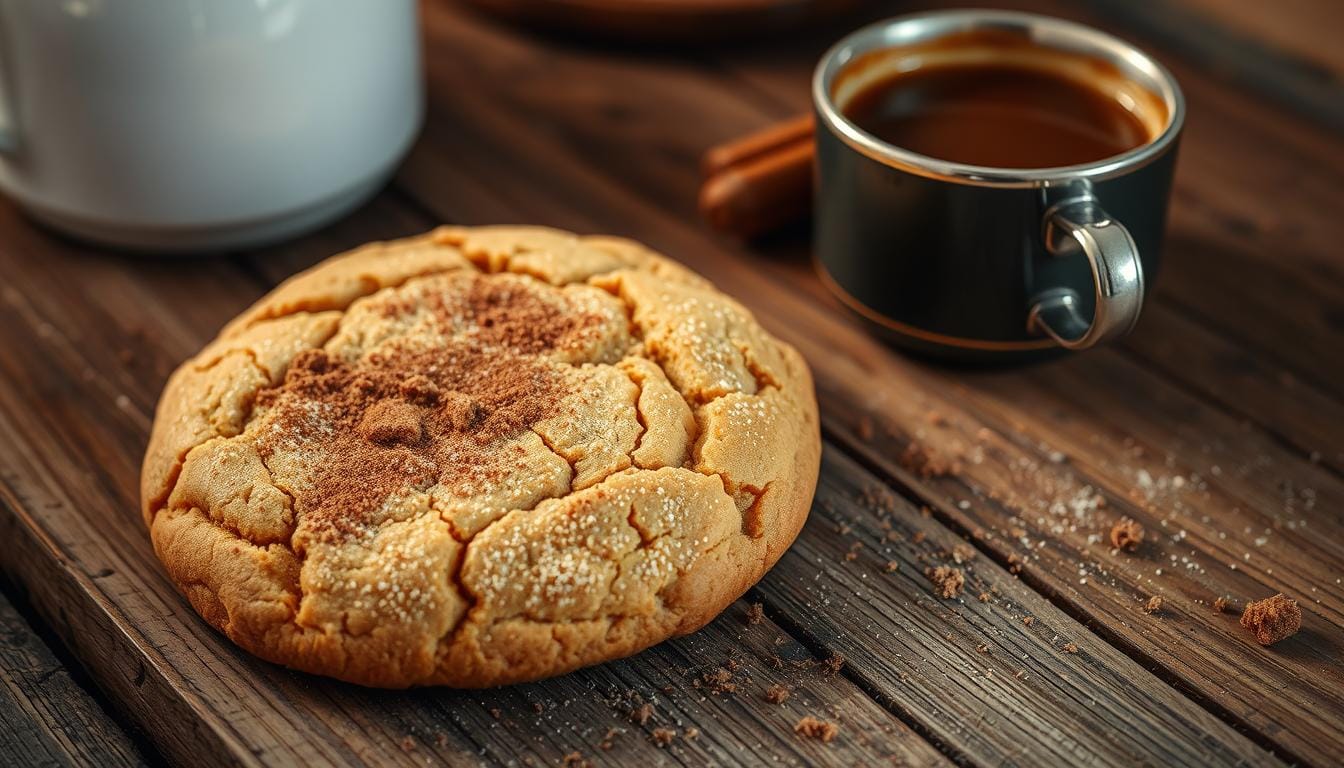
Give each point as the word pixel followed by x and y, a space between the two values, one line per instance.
pixel 755 614
pixel 1127 534
pixel 813 728
pixel 576 759
pixel 609 739
pixel 1220 604
pixel 1153 605
pixel 983 597
pixel 947 582
pixel 1070 648
pixel 1028 620
pixel 691 734
pixel 641 714
pixel 834 663
pixel 663 736
pixel 962 553
pixel 777 694
pixel 718 681
pixel 1272 619
pixel 892 566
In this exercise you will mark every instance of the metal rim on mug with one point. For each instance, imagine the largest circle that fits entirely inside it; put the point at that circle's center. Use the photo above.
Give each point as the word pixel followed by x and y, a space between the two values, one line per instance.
pixel 1049 32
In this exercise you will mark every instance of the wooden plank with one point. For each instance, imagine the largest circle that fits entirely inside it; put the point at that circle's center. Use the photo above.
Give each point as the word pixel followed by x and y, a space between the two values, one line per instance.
pixel 1305 28
pixel 998 673
pixel 46 718
pixel 77 544
pixel 1287 52
pixel 575 174
pixel 1255 200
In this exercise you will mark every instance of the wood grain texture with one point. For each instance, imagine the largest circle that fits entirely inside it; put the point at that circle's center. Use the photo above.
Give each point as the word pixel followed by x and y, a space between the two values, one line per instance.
pixel 1217 426
pixel 1286 53
pixel 987 674
pixel 1255 198
pixel 633 190
pixel 46 718
pixel 80 550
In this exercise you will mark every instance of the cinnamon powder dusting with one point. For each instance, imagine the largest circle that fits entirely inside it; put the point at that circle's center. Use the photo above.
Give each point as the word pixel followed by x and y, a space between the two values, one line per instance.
pixel 412 415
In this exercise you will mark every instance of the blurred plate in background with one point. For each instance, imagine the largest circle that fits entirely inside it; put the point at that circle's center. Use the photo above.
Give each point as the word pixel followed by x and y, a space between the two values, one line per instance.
pixel 666 20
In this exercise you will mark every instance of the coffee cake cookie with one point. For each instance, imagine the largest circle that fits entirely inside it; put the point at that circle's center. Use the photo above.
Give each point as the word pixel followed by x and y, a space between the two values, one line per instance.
pixel 479 456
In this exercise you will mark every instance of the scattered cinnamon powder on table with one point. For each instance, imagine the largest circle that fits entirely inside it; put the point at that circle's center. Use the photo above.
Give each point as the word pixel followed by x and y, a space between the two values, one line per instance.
pixel 1127 534
pixel 1272 619
pixel 920 461
pixel 813 728
pixel 718 681
pixel 641 714
pixel 834 663
pixel 947 582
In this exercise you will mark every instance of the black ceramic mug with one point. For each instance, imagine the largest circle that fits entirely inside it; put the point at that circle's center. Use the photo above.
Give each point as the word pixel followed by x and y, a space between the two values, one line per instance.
pixel 984 263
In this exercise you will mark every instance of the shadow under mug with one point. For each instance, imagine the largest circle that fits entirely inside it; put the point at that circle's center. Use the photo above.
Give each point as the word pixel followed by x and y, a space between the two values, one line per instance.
pixel 976 263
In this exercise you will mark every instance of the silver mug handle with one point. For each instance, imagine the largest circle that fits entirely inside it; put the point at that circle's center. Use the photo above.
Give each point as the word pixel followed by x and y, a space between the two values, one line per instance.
pixel 1079 226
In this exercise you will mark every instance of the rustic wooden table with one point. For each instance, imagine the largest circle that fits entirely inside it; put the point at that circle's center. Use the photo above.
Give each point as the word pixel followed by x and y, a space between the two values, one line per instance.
pixel 1219 426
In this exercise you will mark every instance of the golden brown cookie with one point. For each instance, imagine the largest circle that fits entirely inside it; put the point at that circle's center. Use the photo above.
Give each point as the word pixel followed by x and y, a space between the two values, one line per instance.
pixel 479 456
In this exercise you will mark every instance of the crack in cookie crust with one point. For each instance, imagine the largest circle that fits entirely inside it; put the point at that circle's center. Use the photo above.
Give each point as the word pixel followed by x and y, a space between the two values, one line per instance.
pixel 479 456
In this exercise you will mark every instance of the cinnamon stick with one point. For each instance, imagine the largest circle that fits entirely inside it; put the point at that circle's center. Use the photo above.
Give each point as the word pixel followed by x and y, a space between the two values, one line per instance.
pixel 761 181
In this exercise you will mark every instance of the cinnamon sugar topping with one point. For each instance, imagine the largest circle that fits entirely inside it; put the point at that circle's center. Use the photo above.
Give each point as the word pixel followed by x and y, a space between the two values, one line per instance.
pixel 415 413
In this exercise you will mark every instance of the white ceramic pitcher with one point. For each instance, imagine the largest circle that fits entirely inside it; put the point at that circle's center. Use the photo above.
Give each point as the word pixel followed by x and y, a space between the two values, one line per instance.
pixel 190 125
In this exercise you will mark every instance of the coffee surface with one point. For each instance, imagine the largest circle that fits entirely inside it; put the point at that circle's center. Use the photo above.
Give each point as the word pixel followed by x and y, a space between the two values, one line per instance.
pixel 996 114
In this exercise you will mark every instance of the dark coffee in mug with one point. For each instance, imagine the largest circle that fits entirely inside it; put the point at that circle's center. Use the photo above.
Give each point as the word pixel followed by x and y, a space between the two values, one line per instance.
pixel 992 185
pixel 996 113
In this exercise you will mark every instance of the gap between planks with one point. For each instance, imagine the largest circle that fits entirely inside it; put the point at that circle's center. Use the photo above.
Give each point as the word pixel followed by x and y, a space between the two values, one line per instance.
pixel 131 657
pixel 438 193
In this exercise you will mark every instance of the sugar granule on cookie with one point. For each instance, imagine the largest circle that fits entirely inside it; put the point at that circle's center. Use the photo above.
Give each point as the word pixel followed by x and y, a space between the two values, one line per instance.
pixel 415 462
pixel 947 581
pixel 1272 619
pixel 813 728
pixel 1127 534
